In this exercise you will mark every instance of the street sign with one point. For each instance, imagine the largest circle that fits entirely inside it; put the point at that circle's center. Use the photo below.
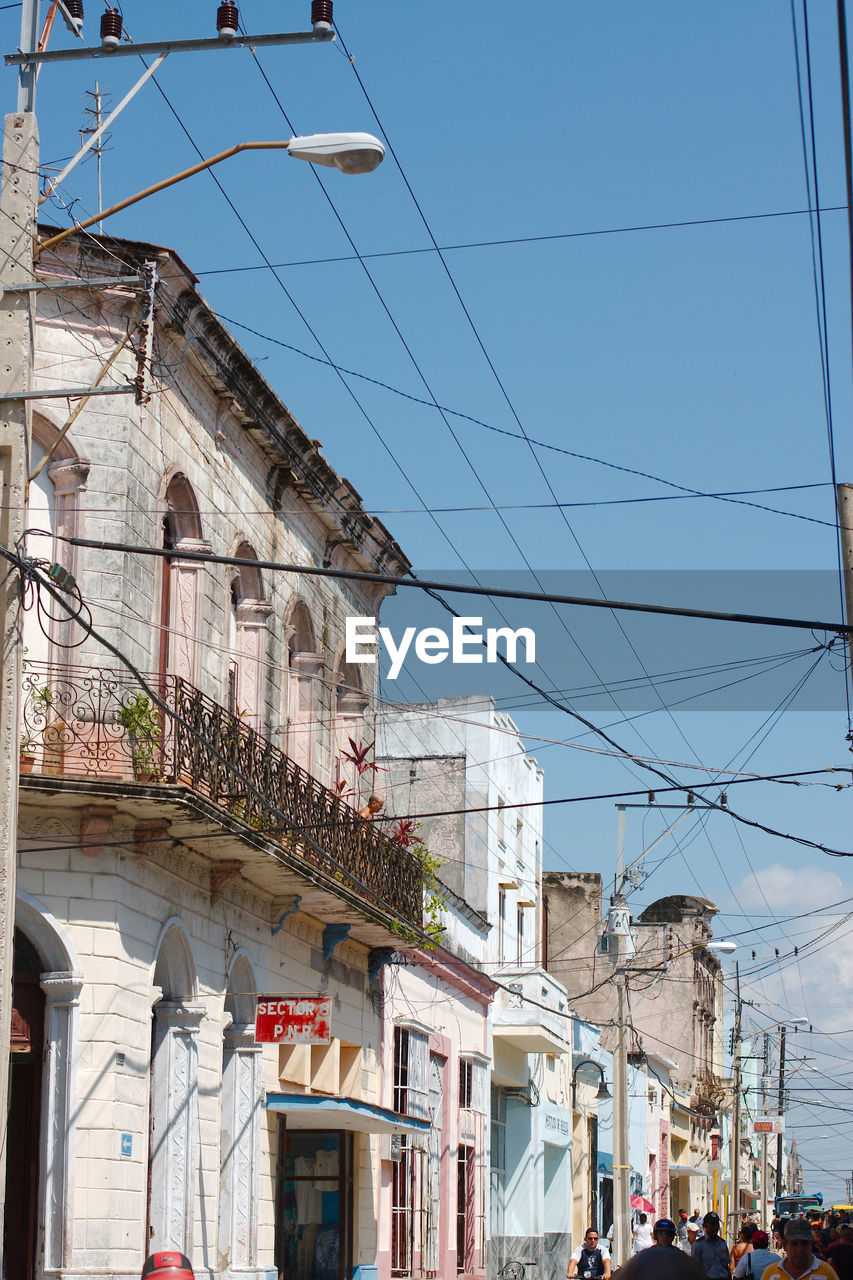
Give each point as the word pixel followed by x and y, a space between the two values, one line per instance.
pixel 769 1124
pixel 293 1019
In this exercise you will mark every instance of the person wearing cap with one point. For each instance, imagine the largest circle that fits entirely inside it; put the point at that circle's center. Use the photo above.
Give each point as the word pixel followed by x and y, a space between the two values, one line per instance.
pixel 664 1232
pixel 799 1260
pixel 167 1265
pixel 711 1252
pixel 758 1259
pixel 682 1230
pixel 840 1252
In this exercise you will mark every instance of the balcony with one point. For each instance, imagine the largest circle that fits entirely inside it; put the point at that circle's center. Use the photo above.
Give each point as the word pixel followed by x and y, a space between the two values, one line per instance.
pixel 99 733
pixel 531 1012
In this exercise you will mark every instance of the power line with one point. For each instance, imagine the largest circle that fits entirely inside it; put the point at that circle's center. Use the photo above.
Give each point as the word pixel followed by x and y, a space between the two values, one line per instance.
pixel 513 435
pixel 429 585
pixel 540 239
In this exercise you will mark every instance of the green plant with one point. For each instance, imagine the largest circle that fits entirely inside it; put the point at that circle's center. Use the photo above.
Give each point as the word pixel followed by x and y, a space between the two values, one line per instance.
pixel 141 721
pixel 406 835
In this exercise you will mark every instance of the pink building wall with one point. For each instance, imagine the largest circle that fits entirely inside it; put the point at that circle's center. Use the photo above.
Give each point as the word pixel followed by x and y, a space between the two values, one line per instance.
pixel 449 1002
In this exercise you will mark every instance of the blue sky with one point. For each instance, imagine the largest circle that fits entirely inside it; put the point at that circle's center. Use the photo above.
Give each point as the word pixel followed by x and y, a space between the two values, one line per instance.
pixel 688 353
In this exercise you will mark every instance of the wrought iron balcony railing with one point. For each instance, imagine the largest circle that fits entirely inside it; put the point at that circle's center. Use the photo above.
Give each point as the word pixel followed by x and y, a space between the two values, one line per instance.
pixel 99 724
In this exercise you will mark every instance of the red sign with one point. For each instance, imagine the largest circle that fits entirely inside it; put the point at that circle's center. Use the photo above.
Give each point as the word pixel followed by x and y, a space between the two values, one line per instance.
pixel 293 1019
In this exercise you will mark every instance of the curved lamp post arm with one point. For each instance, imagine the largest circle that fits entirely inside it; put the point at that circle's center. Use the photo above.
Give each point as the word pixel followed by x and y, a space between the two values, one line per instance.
pixel 350 152
pixel 589 1062
pixel 158 186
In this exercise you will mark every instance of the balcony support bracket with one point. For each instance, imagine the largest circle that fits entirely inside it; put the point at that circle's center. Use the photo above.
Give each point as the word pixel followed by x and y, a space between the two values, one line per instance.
pixel 221 874
pixel 289 906
pixel 96 822
pixel 333 934
pixel 146 835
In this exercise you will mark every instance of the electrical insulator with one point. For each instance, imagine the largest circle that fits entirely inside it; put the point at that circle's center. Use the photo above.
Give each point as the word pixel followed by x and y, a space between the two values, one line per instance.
pixel 732 1042
pixel 321 15
pixel 227 21
pixel 75 11
pixel 111 29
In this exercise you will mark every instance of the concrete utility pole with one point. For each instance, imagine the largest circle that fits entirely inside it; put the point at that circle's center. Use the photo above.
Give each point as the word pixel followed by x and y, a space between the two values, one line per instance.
pixel 17 204
pixel 735 1136
pixel 620 940
pixel 781 1110
pixel 764 1135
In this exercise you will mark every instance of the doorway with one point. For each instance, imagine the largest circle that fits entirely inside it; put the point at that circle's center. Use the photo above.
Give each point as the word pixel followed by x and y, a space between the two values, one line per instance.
pixel 22 1166
pixel 314 1230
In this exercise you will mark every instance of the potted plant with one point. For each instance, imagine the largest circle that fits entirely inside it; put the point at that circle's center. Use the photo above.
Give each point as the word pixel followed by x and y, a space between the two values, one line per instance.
pixel 142 725
pixel 27 756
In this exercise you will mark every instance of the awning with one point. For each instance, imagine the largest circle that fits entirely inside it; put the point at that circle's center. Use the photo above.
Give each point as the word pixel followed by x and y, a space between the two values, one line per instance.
pixel 309 1111
pixel 686 1171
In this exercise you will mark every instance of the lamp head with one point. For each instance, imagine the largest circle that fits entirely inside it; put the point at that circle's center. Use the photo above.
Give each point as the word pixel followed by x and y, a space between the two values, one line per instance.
pixel 603 1092
pixel 724 947
pixel 349 152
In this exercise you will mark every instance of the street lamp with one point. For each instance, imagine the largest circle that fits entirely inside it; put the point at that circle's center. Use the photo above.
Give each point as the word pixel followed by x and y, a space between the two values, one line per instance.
pixel 350 152
pixel 603 1094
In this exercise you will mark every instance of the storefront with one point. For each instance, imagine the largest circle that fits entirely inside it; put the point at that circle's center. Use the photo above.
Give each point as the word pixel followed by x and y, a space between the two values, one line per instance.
pixel 323 1146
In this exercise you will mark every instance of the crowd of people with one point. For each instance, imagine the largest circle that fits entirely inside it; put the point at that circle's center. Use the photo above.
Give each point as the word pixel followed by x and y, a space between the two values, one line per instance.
pixel 694 1248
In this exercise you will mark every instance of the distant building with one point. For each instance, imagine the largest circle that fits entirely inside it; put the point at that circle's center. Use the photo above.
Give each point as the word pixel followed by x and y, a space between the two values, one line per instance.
pixel 462 755
pixel 676 1016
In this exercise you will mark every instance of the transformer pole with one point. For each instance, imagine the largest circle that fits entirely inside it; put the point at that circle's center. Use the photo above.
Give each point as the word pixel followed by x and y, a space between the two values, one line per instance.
pixel 18 195
pixel 781 1111
pixel 735 1135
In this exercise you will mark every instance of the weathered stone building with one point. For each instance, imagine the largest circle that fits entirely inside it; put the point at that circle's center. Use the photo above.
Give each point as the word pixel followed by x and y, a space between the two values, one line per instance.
pixel 188 827
pixel 675 1014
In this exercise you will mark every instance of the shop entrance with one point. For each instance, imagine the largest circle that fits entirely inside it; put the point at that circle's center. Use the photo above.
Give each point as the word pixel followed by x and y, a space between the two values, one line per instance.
pixel 314 1204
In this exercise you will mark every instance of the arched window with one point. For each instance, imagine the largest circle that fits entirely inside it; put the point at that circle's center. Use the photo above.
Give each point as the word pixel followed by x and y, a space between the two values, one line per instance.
pixel 240 1121
pixel 248 613
pixel 172 1154
pixel 181 581
pixel 304 664
pixel 348 731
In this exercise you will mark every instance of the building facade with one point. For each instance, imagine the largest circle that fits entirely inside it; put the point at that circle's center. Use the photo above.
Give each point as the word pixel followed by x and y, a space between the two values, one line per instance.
pixel 462 755
pixel 189 835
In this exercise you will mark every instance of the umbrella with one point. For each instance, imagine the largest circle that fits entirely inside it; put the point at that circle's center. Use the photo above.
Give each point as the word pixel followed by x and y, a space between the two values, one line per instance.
pixel 644 1206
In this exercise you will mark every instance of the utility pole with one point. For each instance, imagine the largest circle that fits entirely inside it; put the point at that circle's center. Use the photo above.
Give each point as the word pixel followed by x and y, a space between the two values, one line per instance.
pixel 735 1135
pixel 781 1110
pixel 17 204
pixel 764 1135
pixel 619 929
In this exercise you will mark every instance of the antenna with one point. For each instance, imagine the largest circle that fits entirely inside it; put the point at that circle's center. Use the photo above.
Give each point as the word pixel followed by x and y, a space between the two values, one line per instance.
pixel 99 100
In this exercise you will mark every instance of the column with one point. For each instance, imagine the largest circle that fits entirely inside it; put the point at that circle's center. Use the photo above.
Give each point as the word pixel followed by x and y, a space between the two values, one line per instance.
pixel 252 617
pixel 58 1109
pixel 240 1141
pixel 174 1125
pixel 185 602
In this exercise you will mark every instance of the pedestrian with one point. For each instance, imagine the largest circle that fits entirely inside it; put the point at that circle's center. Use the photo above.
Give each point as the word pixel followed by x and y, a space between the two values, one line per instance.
pixel 590 1260
pixel 758 1259
pixel 682 1230
pixel 167 1265
pixel 694 1233
pixel 817 1237
pixel 642 1235
pixel 664 1234
pixel 799 1260
pixel 743 1244
pixel 840 1254
pixel 711 1252
pixel 661 1264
